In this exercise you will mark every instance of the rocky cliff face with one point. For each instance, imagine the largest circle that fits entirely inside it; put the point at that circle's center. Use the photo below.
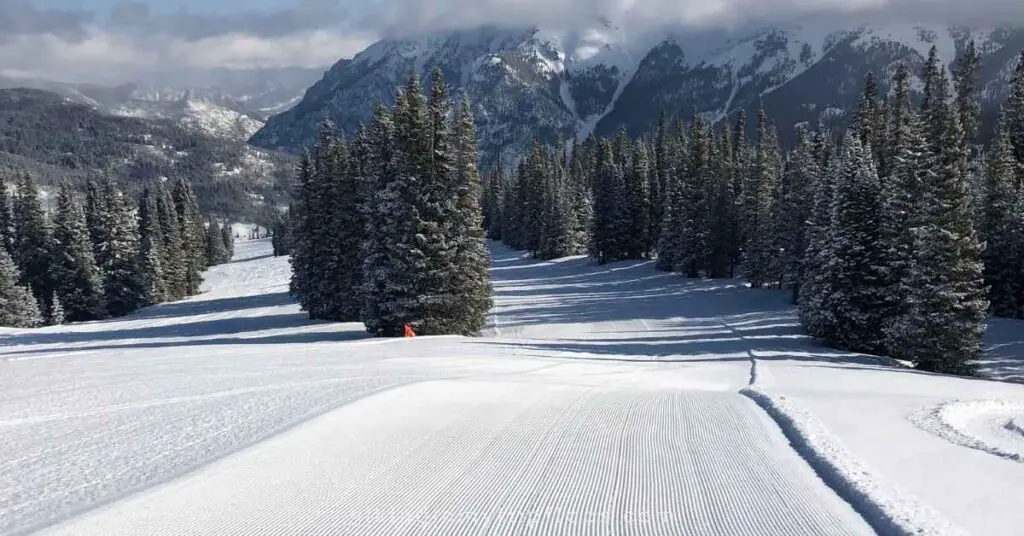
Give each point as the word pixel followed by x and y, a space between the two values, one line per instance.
pixel 554 85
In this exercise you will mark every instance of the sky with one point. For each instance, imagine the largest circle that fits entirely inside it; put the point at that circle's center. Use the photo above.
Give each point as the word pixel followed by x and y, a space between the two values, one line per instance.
pixel 114 41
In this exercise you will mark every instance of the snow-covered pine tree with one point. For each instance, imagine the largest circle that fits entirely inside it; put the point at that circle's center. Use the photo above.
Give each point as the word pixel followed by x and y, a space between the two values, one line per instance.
pixel 216 252
pixel 172 261
pixel 818 287
pixel 1014 108
pixel 229 240
pixel 494 193
pixel 95 209
pixel 582 202
pixel 638 204
pixel 401 266
pixel 796 208
pixel 56 316
pixel 380 172
pixel 280 234
pixel 759 194
pixel 725 228
pixel 118 259
pixel 20 309
pixel 859 256
pixel 346 233
pixel 910 164
pixel 301 216
pixel 32 243
pixel 192 233
pixel 610 221
pixel 968 100
pixel 557 220
pixel 77 280
pixel 1001 231
pixel 151 255
pixel 697 189
pixel 469 299
pixel 945 323
pixel 6 217
pixel 660 174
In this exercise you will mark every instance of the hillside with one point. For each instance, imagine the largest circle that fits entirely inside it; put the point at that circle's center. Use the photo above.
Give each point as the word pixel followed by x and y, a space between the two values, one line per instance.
pixel 55 139
pixel 603 399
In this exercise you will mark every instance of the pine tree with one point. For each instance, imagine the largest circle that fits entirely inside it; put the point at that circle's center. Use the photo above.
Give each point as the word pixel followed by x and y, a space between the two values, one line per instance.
pixel 638 205
pixel 470 300
pixel 725 225
pixel 118 259
pixel 495 202
pixel 229 241
pixel 380 174
pixel 1000 227
pixel 818 287
pixel 759 194
pixel 151 255
pixel 20 309
pixel 947 309
pixel 215 250
pixel 902 191
pixel 346 232
pixel 77 280
pixel 172 261
pixel 1015 111
pixel 610 217
pixel 32 243
pixel 968 101
pixel 280 231
pixel 796 207
pixel 56 315
pixel 400 266
pixel 6 218
pixel 192 234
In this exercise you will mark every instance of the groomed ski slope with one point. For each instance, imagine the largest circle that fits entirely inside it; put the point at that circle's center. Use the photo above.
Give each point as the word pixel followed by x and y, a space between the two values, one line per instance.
pixel 602 400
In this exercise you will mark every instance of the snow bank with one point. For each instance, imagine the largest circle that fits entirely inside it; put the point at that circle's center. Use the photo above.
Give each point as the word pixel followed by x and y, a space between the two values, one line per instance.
pixel 888 510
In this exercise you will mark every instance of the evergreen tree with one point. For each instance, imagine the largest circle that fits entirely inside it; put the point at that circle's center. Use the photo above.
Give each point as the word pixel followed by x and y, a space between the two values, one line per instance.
pixel 759 194
pixel 818 287
pixel 859 256
pixel 151 255
pixel 1001 231
pixel 118 259
pixel 172 261
pixel 32 243
pixel 694 248
pixel 192 234
pixel 725 225
pixel 1015 111
pixel 968 101
pixel 215 250
pixel 796 207
pixel 638 205
pixel 6 218
pixel 77 280
pixel 229 241
pixel 280 231
pixel 946 316
pixel 380 209
pixel 610 216
pixel 20 309
pixel 56 315
pixel 495 203
pixel 469 300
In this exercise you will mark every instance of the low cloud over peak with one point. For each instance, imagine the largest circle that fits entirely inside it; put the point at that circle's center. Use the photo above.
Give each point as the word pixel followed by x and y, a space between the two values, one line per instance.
pixel 133 38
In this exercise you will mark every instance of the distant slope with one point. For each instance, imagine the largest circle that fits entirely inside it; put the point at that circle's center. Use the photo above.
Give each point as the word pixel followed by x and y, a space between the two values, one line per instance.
pixel 54 139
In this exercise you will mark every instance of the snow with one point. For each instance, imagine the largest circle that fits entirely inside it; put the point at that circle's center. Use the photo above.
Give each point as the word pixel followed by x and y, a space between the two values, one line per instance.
pixel 601 400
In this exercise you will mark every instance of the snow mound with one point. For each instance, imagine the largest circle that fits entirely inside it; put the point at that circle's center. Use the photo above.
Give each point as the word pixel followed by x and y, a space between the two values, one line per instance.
pixel 886 508
pixel 990 426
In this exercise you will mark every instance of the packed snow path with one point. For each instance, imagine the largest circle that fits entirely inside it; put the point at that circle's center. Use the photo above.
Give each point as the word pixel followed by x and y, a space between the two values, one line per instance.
pixel 601 401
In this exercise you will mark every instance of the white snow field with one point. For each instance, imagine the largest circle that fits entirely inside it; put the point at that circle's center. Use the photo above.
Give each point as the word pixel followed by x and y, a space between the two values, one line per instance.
pixel 602 400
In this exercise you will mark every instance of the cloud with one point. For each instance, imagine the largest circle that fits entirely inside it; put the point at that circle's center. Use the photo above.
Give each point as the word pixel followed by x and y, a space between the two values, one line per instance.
pixel 133 38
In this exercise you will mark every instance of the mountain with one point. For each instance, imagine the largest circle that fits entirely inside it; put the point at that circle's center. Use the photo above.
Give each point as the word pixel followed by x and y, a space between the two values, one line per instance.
pixel 228 103
pixel 55 138
pixel 551 84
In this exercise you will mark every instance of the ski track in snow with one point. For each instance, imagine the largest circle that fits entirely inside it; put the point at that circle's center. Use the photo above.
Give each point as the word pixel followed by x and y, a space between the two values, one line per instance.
pixel 989 426
pixel 603 400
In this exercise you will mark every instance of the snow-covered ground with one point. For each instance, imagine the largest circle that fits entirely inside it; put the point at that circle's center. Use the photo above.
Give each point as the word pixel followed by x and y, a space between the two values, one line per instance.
pixel 602 400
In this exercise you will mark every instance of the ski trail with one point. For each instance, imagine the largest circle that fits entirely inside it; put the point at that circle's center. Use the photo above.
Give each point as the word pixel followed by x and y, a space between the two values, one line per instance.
pixel 460 457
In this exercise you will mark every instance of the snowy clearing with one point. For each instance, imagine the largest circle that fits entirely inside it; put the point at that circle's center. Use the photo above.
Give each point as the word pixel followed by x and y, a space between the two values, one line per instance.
pixel 602 400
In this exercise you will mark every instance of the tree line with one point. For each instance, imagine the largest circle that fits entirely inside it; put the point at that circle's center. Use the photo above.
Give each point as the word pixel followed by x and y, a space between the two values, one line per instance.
pixel 386 227
pixel 101 257
pixel 897 237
